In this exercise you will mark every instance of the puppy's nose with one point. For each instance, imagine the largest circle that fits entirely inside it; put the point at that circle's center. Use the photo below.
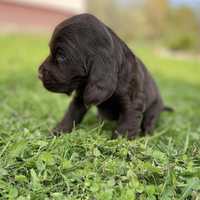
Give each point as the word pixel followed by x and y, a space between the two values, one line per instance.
pixel 40 76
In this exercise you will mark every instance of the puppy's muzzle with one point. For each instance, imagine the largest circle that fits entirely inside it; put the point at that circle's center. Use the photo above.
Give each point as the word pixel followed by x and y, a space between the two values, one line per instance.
pixel 44 74
pixel 40 76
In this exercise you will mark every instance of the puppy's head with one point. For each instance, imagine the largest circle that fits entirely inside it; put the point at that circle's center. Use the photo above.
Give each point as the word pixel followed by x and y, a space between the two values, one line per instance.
pixel 64 70
pixel 81 57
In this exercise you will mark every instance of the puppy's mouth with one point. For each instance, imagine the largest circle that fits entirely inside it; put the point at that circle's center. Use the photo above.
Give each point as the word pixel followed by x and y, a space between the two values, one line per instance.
pixel 54 85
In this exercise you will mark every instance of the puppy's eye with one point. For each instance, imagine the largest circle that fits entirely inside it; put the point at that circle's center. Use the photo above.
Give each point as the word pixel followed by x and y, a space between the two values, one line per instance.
pixel 60 58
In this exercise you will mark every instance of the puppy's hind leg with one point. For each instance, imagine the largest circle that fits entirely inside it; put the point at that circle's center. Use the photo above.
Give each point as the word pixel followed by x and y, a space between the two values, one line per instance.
pixel 151 116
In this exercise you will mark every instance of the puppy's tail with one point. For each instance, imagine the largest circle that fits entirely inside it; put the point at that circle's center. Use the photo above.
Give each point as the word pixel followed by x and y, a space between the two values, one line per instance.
pixel 168 109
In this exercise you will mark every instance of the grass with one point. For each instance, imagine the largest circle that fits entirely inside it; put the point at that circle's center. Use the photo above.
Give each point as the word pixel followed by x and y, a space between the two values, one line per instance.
pixel 87 164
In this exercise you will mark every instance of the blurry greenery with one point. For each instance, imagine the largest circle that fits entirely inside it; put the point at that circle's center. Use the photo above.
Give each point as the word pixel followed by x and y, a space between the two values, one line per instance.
pixel 86 164
pixel 182 41
pixel 178 27
pixel 184 30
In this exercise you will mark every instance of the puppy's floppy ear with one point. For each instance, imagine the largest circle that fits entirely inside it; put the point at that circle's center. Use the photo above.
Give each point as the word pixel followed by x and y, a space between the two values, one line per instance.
pixel 102 80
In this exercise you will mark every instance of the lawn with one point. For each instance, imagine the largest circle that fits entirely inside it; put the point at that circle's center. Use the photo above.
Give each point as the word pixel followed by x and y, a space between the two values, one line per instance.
pixel 87 164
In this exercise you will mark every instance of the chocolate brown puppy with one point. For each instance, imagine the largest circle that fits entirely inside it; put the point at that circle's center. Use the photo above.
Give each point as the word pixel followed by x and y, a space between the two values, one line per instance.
pixel 87 57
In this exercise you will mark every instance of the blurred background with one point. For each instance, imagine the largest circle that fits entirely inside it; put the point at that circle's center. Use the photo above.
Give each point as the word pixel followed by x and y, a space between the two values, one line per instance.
pixel 173 24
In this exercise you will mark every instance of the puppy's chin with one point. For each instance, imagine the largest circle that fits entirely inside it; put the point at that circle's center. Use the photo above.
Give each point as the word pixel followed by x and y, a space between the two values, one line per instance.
pixel 58 88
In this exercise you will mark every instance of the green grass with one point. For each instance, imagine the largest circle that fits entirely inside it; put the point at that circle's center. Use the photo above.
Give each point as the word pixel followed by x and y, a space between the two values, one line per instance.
pixel 87 164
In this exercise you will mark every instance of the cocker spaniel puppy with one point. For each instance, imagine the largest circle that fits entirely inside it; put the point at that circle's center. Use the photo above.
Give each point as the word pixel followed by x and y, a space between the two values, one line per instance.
pixel 87 57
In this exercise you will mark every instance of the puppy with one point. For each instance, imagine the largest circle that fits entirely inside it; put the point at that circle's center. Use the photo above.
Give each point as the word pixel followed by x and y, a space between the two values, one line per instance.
pixel 87 57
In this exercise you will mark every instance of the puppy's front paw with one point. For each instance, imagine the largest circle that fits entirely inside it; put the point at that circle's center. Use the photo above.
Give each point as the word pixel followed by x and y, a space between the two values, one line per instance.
pixel 56 132
pixel 59 130
pixel 128 134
